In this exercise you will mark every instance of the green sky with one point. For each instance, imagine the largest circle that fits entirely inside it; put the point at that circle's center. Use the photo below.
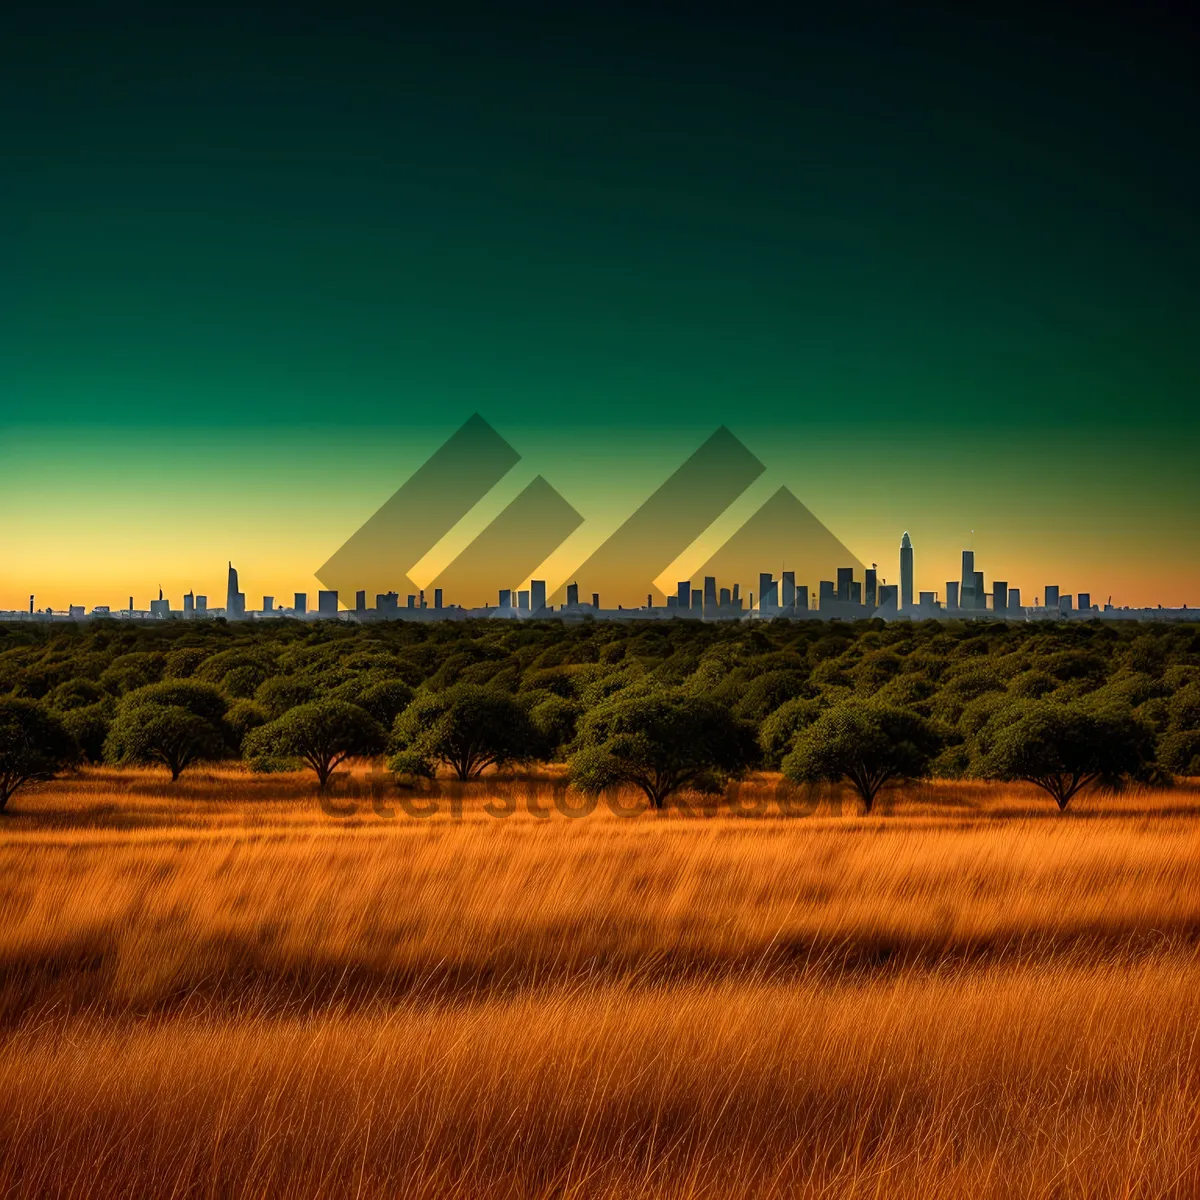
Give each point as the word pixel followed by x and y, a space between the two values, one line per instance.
pixel 938 273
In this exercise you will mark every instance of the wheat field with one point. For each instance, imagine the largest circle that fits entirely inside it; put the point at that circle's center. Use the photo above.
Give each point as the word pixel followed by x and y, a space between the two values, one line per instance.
pixel 216 988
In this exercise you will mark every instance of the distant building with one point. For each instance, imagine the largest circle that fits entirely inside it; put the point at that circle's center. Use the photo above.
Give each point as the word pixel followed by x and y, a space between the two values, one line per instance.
pixel 201 604
pixel 235 601
pixel 845 577
pixel 788 599
pixel 906 571
pixel 826 592
pixel 966 593
pixel 889 595
pixel 1051 595
pixel 437 594
pixel 952 593
pixel 872 587
pixel 1000 597
pixel 596 600
pixel 537 595
pixel 1064 604
pixel 360 601
pixel 300 604
pixel 387 603
pixel 1014 599
pixel 268 604
pixel 855 591
pixel 1085 601
pixel 723 598
pixel 189 605
pixel 506 598
pixel 572 595
pixel 327 603
pixel 683 594
pixel 980 591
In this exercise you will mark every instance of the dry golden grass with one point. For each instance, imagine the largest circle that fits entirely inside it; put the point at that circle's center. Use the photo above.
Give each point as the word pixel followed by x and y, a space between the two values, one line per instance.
pixel 214 988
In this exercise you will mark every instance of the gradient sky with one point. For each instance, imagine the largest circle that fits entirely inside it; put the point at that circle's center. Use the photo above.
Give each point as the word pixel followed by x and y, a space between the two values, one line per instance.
pixel 937 271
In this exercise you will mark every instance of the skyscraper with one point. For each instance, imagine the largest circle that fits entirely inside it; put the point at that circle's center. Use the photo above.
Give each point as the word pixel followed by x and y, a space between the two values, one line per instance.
pixel 952 593
pixel 872 588
pixel 906 571
pixel 766 591
pixel 327 603
pixel 966 594
pixel 537 595
pixel 1051 595
pixel 710 594
pixel 980 591
pixel 235 601
pixel 788 599
pixel 1000 597
pixel 845 576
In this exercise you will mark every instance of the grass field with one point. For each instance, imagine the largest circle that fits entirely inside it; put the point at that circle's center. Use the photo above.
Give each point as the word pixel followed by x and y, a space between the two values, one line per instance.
pixel 215 988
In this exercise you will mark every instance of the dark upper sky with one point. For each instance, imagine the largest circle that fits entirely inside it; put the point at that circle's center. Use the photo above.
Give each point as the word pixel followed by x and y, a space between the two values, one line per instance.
pixel 903 222
pixel 589 188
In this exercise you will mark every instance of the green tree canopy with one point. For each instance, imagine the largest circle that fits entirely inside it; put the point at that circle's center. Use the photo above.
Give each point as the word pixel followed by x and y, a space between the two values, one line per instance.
pixel 34 746
pixel 662 743
pixel 1063 748
pixel 468 727
pixel 323 733
pixel 174 723
pixel 867 744
pixel 165 734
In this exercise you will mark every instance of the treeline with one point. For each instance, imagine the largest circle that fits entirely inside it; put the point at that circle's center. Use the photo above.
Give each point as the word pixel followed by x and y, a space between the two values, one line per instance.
pixel 663 706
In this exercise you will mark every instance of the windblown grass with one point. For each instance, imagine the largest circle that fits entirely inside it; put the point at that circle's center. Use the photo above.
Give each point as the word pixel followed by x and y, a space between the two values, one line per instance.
pixel 214 988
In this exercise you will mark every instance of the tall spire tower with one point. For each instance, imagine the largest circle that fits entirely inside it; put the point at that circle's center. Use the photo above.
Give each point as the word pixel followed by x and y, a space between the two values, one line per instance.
pixel 906 572
pixel 235 602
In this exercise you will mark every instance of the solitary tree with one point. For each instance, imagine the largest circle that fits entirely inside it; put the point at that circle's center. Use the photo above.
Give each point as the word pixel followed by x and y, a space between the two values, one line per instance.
pixel 1064 748
pixel 323 733
pixel 34 746
pixel 163 734
pixel 866 744
pixel 174 724
pixel 466 726
pixel 662 743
